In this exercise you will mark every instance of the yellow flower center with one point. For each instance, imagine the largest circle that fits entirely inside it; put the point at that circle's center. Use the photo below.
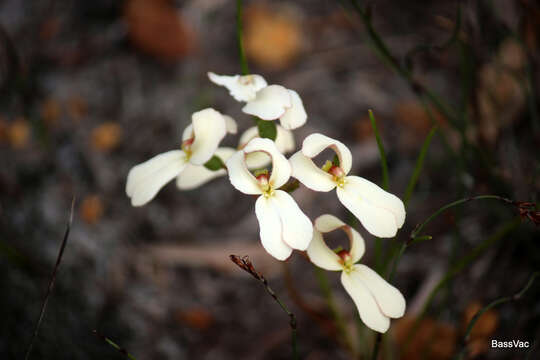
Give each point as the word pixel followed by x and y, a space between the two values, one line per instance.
pixel 246 79
pixel 338 175
pixel 264 184
pixel 346 261
pixel 186 147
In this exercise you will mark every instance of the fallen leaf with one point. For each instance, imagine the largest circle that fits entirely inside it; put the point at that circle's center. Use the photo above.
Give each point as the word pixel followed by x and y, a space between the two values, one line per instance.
pixel 77 107
pixel 19 133
pixel 196 318
pixel 91 209
pixel 272 36
pixel 435 340
pixel 155 27
pixel 50 111
pixel 106 136
pixel 483 329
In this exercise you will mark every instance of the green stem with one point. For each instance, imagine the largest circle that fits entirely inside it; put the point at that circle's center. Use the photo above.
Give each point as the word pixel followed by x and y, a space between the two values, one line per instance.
pixel 336 314
pixel 416 237
pixel 419 165
pixel 491 305
pixel 420 227
pixel 385 181
pixel 382 50
pixel 384 164
pixel 118 348
pixel 457 268
pixel 239 32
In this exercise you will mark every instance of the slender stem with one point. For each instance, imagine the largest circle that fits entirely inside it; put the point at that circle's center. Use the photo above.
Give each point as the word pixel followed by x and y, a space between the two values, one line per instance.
pixel 416 237
pixel 239 33
pixel 491 305
pixel 382 153
pixel 377 346
pixel 118 348
pixel 457 268
pixel 382 50
pixel 245 264
pixel 385 182
pixel 419 165
pixel 51 281
pixel 420 227
pixel 336 314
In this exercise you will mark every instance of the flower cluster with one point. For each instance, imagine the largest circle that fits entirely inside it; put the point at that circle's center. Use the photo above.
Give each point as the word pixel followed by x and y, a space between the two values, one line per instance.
pixel 283 225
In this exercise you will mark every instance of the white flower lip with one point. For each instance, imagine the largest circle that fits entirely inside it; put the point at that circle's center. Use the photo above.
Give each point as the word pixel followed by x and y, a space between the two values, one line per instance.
pixel 200 141
pixel 376 300
pixel 284 142
pixel 270 103
pixel 194 176
pixel 276 102
pixel 209 128
pixel 380 212
pixel 241 87
pixel 283 226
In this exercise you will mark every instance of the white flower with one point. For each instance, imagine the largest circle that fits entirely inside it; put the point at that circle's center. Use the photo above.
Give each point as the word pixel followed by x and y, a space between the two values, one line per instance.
pixel 266 102
pixel 241 87
pixel 376 300
pixel 200 141
pixel 380 212
pixel 283 226
pixel 276 102
pixel 284 143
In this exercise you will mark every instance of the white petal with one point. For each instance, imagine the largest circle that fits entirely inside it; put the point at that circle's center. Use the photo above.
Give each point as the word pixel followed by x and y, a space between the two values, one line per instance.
pixel 187 133
pixel 390 300
pixel 314 144
pixel 284 140
pixel 241 88
pixel 305 170
pixel 281 169
pixel 321 255
pixel 271 229
pixel 270 103
pixel 367 307
pixel 196 175
pixel 247 136
pixel 146 179
pixel 257 160
pixel 209 129
pixel 296 226
pixel 230 124
pixel 327 223
pixel 240 176
pixel 296 115
pixel 380 212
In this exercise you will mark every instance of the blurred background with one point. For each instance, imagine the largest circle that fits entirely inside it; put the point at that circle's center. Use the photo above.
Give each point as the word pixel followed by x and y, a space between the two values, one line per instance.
pixel 91 88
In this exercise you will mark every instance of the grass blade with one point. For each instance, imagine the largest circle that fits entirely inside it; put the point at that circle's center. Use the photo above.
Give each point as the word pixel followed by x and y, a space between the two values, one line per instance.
pixel 419 165
pixel 51 281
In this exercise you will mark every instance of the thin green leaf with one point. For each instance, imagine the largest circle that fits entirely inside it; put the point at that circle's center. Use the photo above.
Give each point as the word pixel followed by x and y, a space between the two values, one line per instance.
pixel 503 230
pixel 267 129
pixel 419 165
pixel 491 305
pixel 239 33
pixel 118 348
pixel 215 164
pixel 382 153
